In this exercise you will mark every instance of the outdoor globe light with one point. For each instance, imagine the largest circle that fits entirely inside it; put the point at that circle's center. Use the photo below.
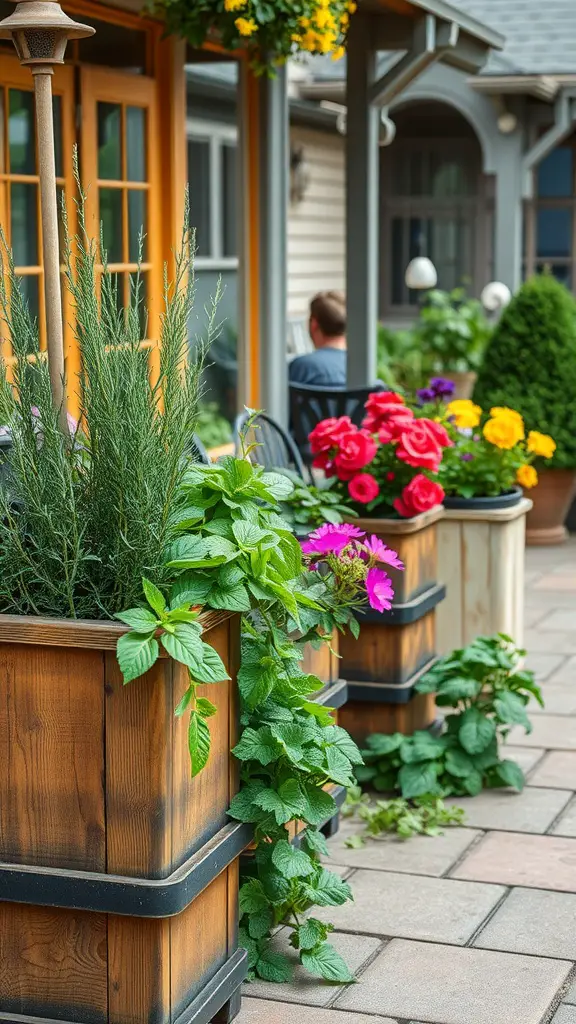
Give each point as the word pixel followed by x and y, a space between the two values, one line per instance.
pixel 495 296
pixel 421 274
pixel 40 31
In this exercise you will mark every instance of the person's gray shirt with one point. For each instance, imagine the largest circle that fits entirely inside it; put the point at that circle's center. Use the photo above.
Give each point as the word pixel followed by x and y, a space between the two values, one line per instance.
pixel 325 368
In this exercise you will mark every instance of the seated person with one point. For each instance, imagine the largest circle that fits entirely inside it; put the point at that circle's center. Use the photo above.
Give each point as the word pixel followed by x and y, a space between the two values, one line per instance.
pixel 326 366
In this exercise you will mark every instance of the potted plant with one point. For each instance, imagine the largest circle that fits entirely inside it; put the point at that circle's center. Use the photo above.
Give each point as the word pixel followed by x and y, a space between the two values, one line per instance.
pixel 530 365
pixel 452 332
pixel 388 469
pixel 481 538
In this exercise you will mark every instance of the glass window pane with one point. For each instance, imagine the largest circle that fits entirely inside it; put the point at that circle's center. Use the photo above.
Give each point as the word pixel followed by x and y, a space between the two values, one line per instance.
pixel 137 225
pixel 229 216
pixel 109 147
pixel 138 293
pixel 398 261
pixel 2 133
pixel 24 224
pixel 561 272
pixel 449 178
pixel 136 143
pixel 58 146
pixel 200 198
pixel 554 232
pixel 111 218
pixel 21 137
pixel 30 288
pixel 555 177
pixel 115 46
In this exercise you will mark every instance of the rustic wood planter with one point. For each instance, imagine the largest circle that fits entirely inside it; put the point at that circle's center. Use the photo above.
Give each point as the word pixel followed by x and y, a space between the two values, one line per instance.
pixel 118 871
pixel 481 551
pixel 396 647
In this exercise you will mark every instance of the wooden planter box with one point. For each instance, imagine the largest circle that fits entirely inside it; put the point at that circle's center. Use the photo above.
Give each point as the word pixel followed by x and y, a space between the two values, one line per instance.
pixel 395 648
pixel 482 557
pixel 118 871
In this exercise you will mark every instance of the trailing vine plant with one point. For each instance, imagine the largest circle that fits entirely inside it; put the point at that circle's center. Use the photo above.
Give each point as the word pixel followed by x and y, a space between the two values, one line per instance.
pixel 231 549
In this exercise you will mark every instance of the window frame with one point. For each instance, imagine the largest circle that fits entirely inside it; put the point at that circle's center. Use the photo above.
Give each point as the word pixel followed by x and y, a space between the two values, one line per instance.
pixel 531 262
pixel 217 136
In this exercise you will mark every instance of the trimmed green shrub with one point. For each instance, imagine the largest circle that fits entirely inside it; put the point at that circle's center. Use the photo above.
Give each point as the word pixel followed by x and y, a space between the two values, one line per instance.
pixel 530 364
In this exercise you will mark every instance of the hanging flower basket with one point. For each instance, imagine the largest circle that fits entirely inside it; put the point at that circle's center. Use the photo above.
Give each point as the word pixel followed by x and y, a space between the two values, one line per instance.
pixel 271 31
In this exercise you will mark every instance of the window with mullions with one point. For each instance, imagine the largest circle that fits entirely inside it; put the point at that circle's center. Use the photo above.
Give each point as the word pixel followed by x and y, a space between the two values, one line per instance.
pixel 550 219
pixel 212 173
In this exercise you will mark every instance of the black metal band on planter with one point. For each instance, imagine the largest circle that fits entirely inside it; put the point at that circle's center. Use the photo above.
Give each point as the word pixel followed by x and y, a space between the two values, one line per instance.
pixel 334 695
pixel 404 614
pixel 118 894
pixel 202 1010
pixel 381 692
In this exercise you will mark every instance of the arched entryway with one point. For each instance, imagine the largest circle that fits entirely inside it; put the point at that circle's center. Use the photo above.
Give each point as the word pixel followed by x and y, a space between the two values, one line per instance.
pixel 435 201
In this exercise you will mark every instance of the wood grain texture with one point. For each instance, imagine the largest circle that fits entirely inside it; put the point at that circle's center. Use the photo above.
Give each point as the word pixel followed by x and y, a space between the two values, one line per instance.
pixel 52 757
pixel 198 943
pixel 417 548
pixel 361 718
pixel 388 654
pixel 323 662
pixel 53 963
pixel 139 969
pixel 78 633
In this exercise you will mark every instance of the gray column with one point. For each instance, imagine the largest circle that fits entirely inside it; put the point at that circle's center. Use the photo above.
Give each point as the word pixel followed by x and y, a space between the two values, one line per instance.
pixel 274 161
pixel 508 213
pixel 362 124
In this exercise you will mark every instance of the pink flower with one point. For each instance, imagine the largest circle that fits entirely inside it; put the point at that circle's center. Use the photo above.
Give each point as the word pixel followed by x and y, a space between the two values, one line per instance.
pixel 330 539
pixel 380 590
pixel 355 450
pixel 378 549
pixel 363 488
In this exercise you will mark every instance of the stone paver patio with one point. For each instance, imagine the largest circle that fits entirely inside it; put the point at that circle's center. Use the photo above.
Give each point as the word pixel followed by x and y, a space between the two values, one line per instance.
pixel 477 926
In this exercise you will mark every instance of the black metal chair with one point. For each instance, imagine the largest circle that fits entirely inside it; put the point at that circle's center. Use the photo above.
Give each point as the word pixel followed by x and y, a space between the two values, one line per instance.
pixel 198 451
pixel 309 405
pixel 274 449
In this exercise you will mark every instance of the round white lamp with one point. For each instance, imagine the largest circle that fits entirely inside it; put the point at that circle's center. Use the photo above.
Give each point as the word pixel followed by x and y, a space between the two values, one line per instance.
pixel 421 274
pixel 495 296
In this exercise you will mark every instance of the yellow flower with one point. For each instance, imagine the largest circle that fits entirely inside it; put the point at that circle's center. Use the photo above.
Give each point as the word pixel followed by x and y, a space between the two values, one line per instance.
pixel 234 5
pixel 527 476
pixel 464 412
pixel 499 411
pixel 246 26
pixel 352 7
pixel 504 431
pixel 339 52
pixel 541 444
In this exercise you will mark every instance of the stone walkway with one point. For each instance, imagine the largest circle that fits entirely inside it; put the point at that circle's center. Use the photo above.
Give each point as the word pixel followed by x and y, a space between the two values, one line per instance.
pixel 477 926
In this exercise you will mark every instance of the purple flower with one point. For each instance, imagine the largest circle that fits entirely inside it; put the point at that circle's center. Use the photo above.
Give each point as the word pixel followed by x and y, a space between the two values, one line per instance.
pixel 425 395
pixel 379 589
pixel 378 549
pixel 330 539
pixel 441 387
pixel 466 457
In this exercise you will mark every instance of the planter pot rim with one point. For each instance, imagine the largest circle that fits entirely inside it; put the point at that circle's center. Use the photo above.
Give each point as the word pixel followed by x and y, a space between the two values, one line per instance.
pixel 506 500
pixel 399 526
pixel 489 515
pixel 95 634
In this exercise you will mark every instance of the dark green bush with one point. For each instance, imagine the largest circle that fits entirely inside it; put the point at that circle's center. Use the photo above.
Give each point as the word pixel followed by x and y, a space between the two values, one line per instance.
pixel 530 364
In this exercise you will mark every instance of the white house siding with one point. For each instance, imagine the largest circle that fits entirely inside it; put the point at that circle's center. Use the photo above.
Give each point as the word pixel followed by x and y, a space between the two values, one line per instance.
pixel 316 225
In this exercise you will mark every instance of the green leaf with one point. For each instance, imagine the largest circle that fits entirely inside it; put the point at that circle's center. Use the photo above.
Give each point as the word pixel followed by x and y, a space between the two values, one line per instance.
pixel 285 803
pixel 154 596
pixel 511 774
pixel 211 668
pixel 279 486
pixel 255 684
pixel 257 745
pixel 273 966
pixel 205 707
pixel 136 654
pixel 450 691
pixel 198 742
pixel 252 898
pixel 459 764
pixel 354 627
pixel 473 782
pixel 511 708
pixel 184 644
pixel 260 924
pixel 476 731
pixel 250 945
pixel 232 598
pixel 311 933
pixel 184 703
pixel 249 535
pixel 190 588
pixel 417 779
pixel 320 806
pixel 314 841
pixel 338 767
pixel 328 890
pixel 325 962
pixel 243 807
pixel 380 744
pixel 338 737
pixel 421 747
pixel 291 862
pixel 139 619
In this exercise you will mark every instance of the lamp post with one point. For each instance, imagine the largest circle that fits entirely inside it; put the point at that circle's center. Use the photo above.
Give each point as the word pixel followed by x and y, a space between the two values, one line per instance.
pixel 495 297
pixel 40 31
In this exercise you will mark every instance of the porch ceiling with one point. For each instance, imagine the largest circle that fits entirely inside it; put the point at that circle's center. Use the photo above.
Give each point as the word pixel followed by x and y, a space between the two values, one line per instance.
pixel 413 9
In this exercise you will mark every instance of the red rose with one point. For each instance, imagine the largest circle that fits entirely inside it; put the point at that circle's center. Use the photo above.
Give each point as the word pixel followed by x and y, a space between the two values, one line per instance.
pixel 418 447
pixel 355 450
pixel 390 430
pixel 420 495
pixel 363 488
pixel 324 461
pixel 380 405
pixel 327 433
pixel 439 432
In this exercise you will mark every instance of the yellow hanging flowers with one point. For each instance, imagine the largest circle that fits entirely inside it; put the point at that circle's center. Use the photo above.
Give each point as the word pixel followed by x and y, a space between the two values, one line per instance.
pixel 246 26
pixel 234 5
pixel 540 444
